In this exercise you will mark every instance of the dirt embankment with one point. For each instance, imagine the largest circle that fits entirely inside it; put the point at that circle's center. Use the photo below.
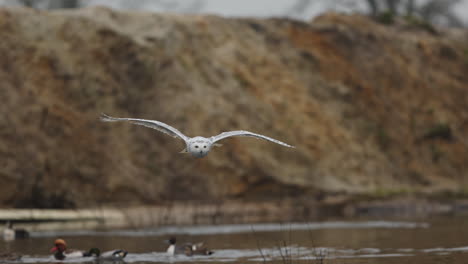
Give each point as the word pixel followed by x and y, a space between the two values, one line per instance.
pixel 372 108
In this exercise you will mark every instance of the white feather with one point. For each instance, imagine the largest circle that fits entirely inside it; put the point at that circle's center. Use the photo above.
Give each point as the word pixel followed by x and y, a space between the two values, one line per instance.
pixel 171 250
pixel 160 126
pixel 243 133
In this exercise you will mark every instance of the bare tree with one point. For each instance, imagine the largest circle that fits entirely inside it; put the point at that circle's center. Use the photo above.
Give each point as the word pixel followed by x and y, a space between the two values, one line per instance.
pixel 53 4
pixel 433 11
pixel 373 6
pixel 409 7
pixel 49 4
pixel 29 3
pixel 436 10
pixel 392 5
pixel 298 8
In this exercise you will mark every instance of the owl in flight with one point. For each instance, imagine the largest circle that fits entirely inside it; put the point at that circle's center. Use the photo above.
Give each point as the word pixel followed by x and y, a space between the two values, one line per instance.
pixel 197 146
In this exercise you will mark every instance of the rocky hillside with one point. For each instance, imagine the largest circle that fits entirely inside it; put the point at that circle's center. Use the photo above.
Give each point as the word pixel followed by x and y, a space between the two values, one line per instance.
pixel 372 108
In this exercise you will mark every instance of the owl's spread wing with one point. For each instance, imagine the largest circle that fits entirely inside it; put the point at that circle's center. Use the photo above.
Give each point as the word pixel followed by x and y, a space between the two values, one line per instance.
pixel 160 126
pixel 243 133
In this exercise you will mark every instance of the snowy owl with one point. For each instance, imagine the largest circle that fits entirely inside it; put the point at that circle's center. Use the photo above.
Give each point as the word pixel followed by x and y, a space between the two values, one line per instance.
pixel 197 146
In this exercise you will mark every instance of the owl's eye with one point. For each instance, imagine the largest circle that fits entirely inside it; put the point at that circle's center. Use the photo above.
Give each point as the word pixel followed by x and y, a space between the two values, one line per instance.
pixel 196 146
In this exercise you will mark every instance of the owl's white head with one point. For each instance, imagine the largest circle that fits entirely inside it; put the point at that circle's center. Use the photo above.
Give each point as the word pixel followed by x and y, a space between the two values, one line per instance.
pixel 199 146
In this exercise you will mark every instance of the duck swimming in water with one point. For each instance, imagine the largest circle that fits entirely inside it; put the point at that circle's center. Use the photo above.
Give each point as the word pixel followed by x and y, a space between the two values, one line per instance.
pixel 61 252
pixel 187 249
pixel 10 233
pixel 199 249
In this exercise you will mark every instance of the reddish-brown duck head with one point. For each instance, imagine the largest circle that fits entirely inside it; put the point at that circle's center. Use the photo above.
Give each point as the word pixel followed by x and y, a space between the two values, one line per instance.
pixel 60 246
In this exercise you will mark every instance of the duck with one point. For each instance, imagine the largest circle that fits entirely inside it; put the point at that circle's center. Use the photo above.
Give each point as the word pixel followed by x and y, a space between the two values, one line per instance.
pixel 61 252
pixel 174 249
pixel 187 249
pixel 9 233
pixel 199 249
pixel 113 255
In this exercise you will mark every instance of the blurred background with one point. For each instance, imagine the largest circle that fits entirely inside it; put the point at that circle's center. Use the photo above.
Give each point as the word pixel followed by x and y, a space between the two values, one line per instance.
pixel 445 12
pixel 373 94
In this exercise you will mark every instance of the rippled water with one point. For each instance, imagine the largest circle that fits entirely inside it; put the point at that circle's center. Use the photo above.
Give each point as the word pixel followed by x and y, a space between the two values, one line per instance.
pixel 439 240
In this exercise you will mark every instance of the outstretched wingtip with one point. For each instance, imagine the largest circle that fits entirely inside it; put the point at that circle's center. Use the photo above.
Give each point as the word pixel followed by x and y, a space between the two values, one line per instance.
pixel 105 118
pixel 286 145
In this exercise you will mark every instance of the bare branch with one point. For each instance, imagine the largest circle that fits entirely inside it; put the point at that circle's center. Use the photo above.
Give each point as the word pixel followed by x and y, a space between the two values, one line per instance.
pixel 373 6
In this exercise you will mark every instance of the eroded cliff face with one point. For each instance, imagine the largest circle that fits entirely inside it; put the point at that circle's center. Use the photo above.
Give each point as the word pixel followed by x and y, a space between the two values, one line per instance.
pixel 371 108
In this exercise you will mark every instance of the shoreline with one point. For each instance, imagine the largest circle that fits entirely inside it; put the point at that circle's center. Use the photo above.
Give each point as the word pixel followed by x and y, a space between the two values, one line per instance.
pixel 227 212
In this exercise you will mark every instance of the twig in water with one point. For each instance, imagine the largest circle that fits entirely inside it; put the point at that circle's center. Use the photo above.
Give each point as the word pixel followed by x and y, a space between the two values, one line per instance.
pixel 258 245
pixel 281 253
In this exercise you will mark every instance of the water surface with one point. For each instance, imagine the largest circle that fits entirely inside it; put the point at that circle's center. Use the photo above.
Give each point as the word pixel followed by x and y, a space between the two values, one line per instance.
pixel 435 240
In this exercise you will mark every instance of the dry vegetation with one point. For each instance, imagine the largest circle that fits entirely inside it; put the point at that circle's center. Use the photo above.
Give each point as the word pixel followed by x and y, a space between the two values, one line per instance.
pixel 372 108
